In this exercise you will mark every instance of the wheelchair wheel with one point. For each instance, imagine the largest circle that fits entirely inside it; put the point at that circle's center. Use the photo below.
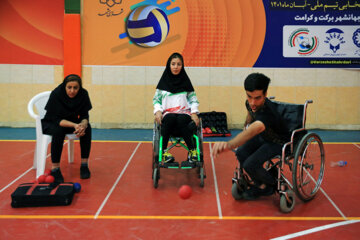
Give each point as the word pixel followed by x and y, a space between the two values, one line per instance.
pixel 309 166
pixel 156 147
pixel 235 191
pixel 156 176
pixel 202 177
pixel 287 205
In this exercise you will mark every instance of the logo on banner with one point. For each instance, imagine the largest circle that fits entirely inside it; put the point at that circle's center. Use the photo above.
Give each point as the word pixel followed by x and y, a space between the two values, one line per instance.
pixel 147 24
pixel 356 40
pixel 356 37
pixel 110 12
pixel 334 37
pixel 305 43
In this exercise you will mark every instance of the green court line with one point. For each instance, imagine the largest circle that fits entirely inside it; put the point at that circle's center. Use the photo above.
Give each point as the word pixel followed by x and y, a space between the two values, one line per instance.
pixel 129 217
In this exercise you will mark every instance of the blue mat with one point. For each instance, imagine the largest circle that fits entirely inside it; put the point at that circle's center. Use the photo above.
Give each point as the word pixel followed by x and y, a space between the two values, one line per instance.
pixel 146 135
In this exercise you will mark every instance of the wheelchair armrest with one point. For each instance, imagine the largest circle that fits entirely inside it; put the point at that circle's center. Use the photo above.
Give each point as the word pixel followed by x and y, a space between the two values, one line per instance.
pixel 296 131
pixel 157 125
pixel 196 129
pixel 192 126
pixel 283 155
pixel 156 131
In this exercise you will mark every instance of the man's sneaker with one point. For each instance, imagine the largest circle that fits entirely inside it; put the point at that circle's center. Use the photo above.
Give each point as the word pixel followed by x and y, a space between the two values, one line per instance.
pixel 192 156
pixel 58 177
pixel 254 192
pixel 268 190
pixel 167 157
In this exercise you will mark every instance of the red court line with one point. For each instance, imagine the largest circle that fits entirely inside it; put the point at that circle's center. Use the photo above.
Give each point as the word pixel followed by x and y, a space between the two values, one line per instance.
pixel 223 177
pixel 356 145
pixel 105 164
pixel 135 189
pixel 265 206
pixel 116 182
pixel 340 182
pixel 135 202
pixel 314 230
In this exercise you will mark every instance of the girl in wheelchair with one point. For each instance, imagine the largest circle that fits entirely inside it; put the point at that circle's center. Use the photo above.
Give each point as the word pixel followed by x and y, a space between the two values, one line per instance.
pixel 176 107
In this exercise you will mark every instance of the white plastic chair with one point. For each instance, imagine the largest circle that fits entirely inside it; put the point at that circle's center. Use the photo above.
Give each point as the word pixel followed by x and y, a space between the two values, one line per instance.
pixel 43 140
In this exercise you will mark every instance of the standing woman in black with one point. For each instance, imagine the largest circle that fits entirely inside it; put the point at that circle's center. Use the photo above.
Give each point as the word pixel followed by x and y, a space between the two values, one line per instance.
pixel 67 111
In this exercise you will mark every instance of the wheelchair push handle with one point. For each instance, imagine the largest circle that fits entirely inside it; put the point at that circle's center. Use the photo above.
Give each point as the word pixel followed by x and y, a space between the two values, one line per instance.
pixel 307 101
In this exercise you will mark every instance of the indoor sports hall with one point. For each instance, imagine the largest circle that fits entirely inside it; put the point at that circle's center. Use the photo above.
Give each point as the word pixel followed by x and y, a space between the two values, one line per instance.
pixel 309 49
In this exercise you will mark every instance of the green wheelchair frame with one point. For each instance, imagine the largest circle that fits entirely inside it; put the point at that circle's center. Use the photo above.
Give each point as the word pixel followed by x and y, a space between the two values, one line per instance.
pixel 157 162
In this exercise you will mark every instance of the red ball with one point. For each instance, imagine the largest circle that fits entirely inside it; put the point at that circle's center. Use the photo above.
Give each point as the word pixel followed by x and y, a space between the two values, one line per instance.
pixel 185 191
pixel 49 179
pixel 41 178
pixel 47 172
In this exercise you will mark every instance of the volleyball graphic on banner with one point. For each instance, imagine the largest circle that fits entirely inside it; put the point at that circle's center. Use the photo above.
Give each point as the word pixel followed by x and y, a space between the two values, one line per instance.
pixel 147 26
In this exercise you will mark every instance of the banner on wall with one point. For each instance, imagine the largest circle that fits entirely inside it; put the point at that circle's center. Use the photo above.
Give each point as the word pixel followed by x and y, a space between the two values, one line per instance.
pixel 311 33
pixel 231 33
pixel 31 32
pixel 209 33
pixel 145 32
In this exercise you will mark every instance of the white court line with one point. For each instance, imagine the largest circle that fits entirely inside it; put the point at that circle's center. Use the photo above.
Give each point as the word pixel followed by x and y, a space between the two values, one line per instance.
pixel 215 183
pixel 356 145
pixel 332 202
pixel 327 196
pixel 116 182
pixel 16 179
pixel 317 229
pixel 21 175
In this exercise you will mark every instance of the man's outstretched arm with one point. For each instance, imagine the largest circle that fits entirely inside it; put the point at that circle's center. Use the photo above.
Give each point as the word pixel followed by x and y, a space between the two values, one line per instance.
pixel 254 129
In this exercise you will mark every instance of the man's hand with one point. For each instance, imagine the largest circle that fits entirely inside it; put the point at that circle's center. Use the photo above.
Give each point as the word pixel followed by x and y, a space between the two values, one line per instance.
pixel 219 147
pixel 158 117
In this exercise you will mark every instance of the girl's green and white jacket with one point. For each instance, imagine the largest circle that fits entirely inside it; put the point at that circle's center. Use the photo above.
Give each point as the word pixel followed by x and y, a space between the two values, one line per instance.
pixel 182 102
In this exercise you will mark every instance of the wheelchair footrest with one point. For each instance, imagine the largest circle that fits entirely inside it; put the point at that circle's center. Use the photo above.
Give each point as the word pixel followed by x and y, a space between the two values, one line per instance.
pixel 187 164
pixel 170 165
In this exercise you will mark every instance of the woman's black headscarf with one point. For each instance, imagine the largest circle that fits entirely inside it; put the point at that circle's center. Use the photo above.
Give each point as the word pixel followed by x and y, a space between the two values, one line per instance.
pixel 175 83
pixel 60 106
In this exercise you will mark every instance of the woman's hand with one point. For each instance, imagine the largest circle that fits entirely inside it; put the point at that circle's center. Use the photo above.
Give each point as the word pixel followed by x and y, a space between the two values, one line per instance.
pixel 158 117
pixel 80 128
pixel 195 118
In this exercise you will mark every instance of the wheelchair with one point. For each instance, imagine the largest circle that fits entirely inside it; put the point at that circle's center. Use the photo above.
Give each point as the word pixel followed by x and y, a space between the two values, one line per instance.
pixel 176 141
pixel 303 154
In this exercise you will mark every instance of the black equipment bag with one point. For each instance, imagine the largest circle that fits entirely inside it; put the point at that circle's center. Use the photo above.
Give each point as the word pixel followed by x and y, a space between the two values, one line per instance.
pixel 42 194
pixel 214 124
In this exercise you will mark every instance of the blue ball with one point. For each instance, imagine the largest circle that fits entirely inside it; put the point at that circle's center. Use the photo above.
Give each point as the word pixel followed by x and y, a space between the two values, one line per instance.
pixel 77 187
pixel 147 26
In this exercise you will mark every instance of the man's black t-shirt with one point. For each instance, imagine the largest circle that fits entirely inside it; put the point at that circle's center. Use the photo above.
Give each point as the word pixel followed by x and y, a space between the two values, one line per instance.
pixel 275 128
